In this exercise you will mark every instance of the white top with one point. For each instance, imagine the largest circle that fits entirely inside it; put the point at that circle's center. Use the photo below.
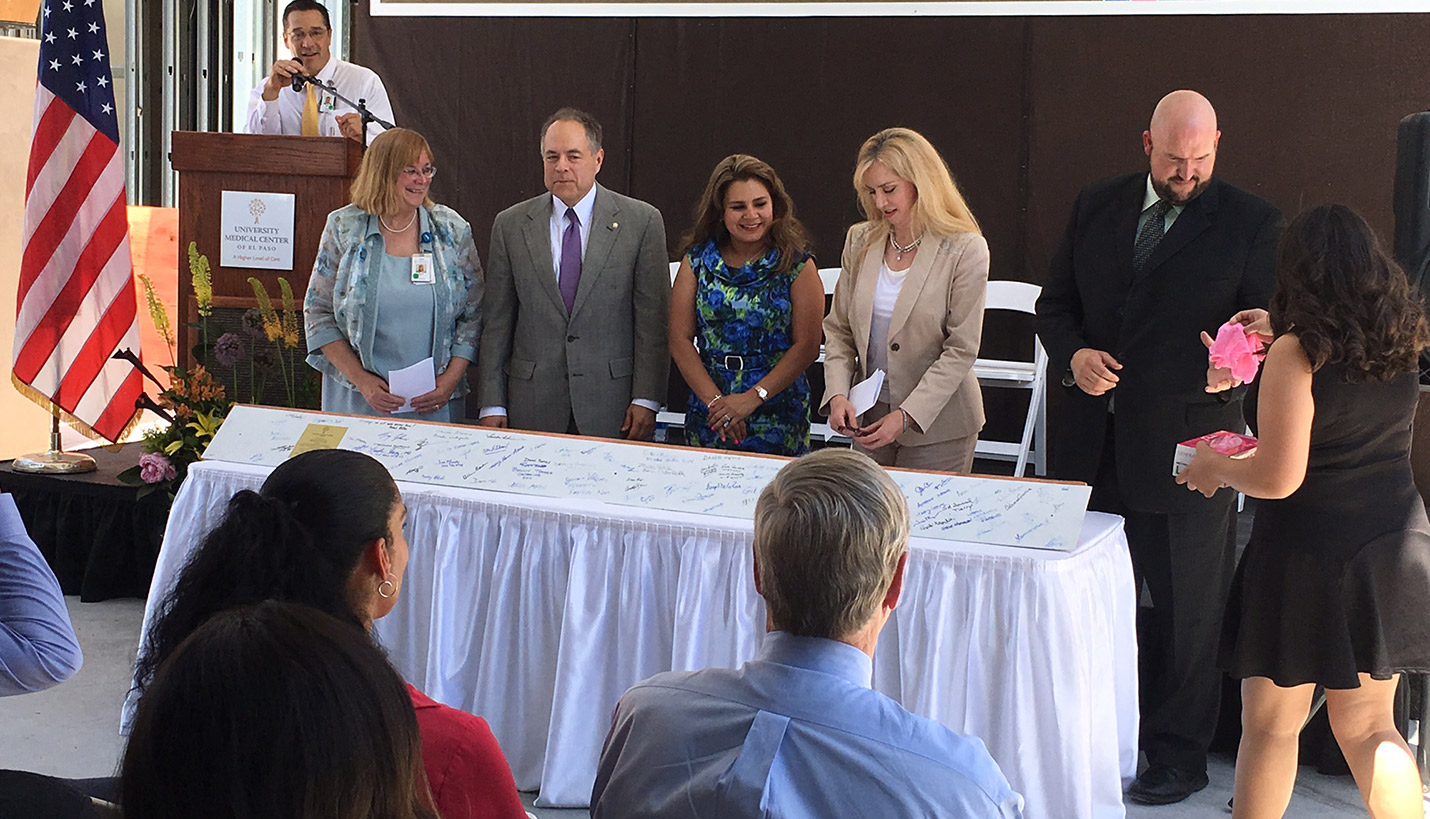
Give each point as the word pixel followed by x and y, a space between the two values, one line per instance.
pixel 886 292
pixel 284 115
pixel 584 208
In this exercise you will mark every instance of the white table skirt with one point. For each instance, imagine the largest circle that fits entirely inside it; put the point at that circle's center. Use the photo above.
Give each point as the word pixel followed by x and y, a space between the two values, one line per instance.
pixel 537 613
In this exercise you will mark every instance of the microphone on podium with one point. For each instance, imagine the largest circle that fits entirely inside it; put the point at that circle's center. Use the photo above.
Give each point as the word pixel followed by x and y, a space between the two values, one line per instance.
pixel 299 78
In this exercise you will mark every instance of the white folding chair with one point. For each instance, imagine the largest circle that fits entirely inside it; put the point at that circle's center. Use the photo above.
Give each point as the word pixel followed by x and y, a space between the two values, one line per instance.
pixel 1033 376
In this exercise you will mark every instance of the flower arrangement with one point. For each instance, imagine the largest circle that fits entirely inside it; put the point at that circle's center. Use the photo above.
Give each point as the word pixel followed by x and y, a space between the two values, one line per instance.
pixel 196 400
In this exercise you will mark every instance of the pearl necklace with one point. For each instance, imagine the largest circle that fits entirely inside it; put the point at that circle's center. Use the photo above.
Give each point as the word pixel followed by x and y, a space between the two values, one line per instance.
pixel 391 229
pixel 900 250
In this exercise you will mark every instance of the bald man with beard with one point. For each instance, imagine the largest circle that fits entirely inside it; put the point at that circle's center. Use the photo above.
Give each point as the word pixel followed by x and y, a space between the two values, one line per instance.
pixel 1149 261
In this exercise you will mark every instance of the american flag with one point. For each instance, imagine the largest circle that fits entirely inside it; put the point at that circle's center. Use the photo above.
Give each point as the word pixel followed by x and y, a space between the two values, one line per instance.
pixel 76 302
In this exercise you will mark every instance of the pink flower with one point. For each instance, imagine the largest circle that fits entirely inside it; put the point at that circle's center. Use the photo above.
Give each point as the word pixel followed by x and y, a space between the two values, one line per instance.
pixel 154 468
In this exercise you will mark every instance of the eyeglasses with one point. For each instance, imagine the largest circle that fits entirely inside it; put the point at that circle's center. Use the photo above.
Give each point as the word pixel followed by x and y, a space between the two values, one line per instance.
pixel 301 34
pixel 427 171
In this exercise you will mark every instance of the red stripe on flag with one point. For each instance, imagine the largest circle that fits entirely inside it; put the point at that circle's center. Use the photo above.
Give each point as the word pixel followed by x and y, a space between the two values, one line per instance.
pixel 62 311
pixel 97 348
pixel 48 133
pixel 121 408
pixel 57 221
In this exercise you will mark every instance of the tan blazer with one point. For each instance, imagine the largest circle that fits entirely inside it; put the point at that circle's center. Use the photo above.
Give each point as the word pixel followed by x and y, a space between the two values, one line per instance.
pixel 933 336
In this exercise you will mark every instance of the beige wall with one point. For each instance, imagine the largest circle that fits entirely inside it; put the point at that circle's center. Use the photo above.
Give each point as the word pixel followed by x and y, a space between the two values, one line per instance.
pixel 24 427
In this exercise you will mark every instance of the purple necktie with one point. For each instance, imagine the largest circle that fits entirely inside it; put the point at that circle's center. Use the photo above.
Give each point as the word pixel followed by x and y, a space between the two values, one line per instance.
pixel 570 259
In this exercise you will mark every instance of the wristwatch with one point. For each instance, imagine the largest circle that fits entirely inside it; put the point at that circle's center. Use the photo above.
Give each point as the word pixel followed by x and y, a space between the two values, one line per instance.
pixel 763 393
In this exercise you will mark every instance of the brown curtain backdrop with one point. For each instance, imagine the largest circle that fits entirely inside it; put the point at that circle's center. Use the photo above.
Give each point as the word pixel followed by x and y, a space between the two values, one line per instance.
pixel 1026 110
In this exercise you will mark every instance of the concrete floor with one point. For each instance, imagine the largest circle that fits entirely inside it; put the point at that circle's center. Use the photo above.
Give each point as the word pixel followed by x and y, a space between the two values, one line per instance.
pixel 72 730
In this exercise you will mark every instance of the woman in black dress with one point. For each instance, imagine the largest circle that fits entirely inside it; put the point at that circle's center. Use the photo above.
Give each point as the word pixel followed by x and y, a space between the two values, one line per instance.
pixel 1333 585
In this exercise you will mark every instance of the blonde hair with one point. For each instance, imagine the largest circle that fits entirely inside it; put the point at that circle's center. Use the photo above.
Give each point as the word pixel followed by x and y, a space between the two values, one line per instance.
pixel 375 188
pixel 829 531
pixel 939 209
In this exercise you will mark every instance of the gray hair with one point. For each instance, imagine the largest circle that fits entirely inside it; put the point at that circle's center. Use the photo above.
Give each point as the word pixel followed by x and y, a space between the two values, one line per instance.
pixel 829 531
pixel 587 122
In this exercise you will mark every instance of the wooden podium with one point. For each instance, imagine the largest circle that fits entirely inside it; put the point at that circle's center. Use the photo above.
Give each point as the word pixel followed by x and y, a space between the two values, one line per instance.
pixel 318 171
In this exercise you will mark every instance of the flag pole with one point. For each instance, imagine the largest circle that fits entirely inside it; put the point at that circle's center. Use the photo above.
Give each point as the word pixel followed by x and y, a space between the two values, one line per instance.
pixel 56 461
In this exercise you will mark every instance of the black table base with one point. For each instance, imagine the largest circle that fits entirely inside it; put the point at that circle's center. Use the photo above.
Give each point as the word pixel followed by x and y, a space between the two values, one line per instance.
pixel 100 538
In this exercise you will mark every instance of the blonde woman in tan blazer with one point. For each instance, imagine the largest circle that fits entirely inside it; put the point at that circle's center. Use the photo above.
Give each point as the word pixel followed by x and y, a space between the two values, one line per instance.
pixel 910 302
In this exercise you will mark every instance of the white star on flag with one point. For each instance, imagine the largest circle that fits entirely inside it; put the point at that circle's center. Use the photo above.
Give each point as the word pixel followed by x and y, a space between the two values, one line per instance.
pixel 50 37
pixel 107 108
pixel 73 34
pixel 79 87
pixel 54 65
pixel 94 28
pixel 99 55
pixel 102 82
pixel 69 6
pixel 76 59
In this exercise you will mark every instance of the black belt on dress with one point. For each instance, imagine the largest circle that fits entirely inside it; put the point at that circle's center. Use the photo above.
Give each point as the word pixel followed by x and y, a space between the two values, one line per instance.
pixel 757 361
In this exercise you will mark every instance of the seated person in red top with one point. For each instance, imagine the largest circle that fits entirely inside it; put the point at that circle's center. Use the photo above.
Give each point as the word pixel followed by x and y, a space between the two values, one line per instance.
pixel 325 529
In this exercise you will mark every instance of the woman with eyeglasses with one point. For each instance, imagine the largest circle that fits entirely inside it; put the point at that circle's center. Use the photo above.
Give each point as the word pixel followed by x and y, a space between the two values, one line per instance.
pixel 397 280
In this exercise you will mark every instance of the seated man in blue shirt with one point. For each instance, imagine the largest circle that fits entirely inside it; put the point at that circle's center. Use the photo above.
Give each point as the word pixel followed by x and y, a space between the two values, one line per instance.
pixel 38 648
pixel 798 732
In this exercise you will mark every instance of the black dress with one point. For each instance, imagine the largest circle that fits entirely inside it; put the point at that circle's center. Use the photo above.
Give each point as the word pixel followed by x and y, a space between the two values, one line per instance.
pixel 1336 577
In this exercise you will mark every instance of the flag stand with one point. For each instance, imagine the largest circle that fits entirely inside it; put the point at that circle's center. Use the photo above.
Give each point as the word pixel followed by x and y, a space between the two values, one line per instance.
pixel 56 461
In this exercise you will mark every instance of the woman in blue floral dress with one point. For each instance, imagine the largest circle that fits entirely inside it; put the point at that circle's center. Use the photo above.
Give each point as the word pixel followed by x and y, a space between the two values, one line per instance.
pixel 745 314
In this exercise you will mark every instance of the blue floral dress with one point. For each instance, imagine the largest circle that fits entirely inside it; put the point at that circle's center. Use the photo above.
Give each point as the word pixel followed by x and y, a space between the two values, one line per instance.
pixel 744 325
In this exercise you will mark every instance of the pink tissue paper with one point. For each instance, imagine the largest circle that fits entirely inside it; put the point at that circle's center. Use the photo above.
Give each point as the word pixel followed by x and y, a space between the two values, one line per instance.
pixel 1236 350
pixel 1231 444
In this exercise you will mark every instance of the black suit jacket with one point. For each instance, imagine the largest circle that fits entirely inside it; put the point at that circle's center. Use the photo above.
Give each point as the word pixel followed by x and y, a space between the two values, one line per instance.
pixel 1216 259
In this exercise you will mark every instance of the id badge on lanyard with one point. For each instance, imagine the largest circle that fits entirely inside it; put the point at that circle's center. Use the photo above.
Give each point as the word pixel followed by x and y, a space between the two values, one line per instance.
pixel 422 272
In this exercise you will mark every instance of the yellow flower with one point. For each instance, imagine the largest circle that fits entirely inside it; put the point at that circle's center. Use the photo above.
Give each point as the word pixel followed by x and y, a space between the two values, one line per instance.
pixel 172 447
pixel 158 314
pixel 290 315
pixel 203 280
pixel 272 325
pixel 206 424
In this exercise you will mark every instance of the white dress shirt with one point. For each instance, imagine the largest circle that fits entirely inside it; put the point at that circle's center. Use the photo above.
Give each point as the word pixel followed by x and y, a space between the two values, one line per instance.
pixel 1148 200
pixel 284 115
pixel 584 209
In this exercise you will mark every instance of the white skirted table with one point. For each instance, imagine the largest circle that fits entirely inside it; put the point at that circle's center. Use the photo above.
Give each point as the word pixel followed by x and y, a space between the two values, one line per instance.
pixel 537 613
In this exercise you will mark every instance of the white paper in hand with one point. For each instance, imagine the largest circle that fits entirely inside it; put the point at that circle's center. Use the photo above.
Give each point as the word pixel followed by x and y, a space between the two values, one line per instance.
pixel 866 392
pixel 410 382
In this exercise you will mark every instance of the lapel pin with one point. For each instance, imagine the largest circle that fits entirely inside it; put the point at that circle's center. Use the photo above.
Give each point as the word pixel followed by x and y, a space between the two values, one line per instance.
pixel 615 225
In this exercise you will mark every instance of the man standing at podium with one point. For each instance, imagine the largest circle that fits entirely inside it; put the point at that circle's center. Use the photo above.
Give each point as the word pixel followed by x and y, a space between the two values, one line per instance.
pixel 275 108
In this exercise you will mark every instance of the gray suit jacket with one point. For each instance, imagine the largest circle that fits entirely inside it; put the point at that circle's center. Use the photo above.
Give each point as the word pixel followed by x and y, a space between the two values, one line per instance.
pixel 546 365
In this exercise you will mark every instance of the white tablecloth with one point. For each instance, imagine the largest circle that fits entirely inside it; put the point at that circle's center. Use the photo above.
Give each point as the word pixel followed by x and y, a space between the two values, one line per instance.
pixel 537 613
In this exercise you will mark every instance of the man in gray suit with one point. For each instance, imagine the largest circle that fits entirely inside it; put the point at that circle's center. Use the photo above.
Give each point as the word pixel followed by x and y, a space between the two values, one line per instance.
pixel 577 300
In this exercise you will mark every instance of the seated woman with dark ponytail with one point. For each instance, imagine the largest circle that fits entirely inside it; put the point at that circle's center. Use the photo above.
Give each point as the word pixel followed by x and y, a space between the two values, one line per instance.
pixel 325 530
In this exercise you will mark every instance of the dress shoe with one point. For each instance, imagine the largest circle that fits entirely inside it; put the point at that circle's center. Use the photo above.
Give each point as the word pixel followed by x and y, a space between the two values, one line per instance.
pixel 1163 785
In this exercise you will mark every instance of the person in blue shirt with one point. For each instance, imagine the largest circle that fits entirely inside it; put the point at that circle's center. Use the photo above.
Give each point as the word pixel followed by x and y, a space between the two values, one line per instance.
pixel 38 648
pixel 798 732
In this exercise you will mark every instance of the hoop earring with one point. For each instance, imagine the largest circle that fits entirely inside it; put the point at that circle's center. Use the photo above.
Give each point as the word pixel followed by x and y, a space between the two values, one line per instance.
pixel 391 590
